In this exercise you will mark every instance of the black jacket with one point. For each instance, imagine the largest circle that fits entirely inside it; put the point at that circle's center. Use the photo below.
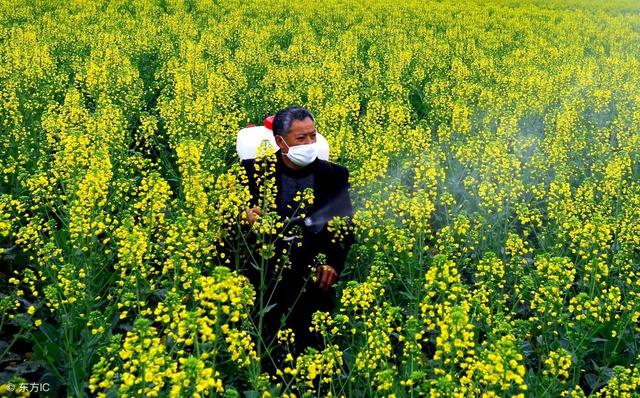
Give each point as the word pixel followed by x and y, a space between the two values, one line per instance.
pixel 331 198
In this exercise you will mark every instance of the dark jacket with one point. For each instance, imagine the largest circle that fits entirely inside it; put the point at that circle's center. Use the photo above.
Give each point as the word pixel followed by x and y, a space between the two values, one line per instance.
pixel 331 198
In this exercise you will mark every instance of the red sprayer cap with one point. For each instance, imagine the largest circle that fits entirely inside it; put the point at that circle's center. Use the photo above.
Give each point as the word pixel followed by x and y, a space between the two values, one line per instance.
pixel 268 122
pixel 249 125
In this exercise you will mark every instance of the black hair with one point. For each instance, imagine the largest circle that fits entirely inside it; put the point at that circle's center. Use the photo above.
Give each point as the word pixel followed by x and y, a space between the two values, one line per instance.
pixel 285 117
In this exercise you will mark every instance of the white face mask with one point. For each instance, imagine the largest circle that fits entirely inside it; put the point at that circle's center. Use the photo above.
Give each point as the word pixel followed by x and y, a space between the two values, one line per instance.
pixel 302 155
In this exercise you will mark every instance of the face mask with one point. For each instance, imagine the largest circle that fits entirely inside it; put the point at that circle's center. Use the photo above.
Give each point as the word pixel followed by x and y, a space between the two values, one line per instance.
pixel 302 155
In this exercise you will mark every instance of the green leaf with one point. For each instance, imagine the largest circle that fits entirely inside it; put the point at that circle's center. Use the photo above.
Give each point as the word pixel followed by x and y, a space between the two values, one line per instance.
pixel 251 394
pixel 26 367
pixel 267 309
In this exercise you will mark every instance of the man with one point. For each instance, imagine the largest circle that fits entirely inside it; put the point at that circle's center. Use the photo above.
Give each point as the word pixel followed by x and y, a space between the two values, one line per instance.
pixel 298 168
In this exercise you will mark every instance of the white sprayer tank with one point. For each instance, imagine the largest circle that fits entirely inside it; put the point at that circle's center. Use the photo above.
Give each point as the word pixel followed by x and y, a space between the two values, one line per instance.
pixel 250 138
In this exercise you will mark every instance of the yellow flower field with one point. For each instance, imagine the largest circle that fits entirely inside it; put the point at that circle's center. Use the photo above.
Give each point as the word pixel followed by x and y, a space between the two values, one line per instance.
pixel 494 158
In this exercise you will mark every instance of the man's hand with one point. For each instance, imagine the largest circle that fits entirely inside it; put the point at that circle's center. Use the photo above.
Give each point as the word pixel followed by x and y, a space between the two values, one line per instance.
pixel 326 277
pixel 252 214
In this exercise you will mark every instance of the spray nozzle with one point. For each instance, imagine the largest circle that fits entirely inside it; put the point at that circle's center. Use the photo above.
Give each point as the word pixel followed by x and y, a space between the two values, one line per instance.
pixel 307 221
pixel 310 222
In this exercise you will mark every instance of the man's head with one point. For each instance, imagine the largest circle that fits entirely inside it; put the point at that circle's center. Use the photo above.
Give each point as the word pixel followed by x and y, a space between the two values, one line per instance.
pixel 295 126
